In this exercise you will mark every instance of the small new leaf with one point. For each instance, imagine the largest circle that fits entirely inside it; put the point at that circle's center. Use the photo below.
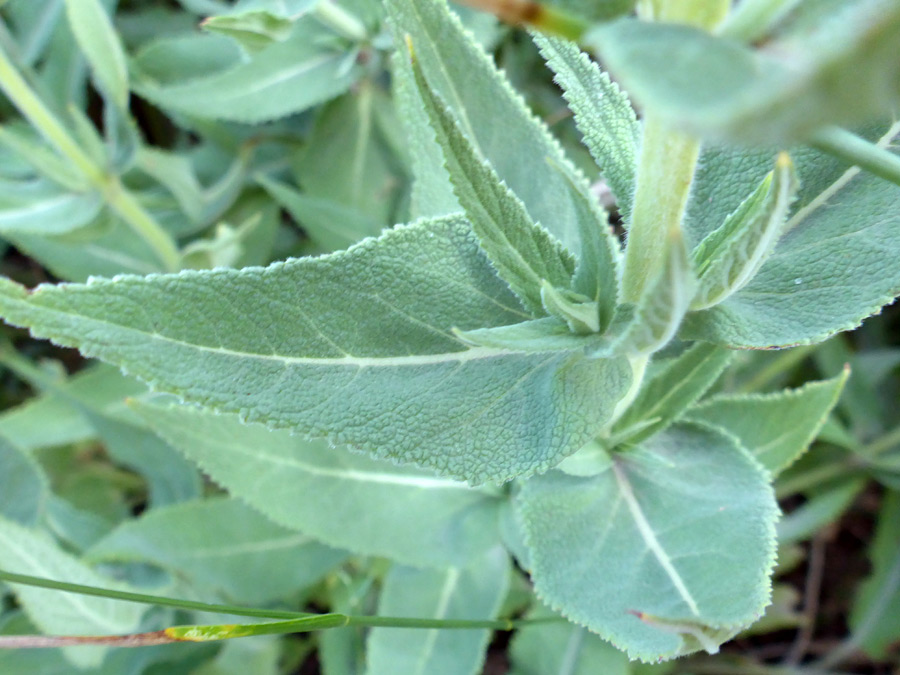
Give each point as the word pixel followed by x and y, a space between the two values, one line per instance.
pixel 524 253
pixel 579 313
pixel 658 314
pixel 729 257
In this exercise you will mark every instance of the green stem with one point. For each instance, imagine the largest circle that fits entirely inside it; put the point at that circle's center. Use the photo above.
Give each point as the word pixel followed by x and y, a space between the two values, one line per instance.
pixel 882 444
pixel 753 18
pixel 665 173
pixel 340 21
pixel 296 622
pixel 142 598
pixel 855 150
pixel 543 17
pixel 119 199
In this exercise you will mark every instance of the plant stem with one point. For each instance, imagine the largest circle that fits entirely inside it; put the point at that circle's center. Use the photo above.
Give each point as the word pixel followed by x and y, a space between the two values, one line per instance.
pixel 116 195
pixel 65 587
pixel 882 444
pixel 545 18
pixel 753 18
pixel 665 171
pixel 857 151
pixel 340 21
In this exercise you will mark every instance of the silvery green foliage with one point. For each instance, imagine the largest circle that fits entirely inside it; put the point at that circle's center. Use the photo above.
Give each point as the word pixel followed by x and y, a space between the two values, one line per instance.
pixel 466 387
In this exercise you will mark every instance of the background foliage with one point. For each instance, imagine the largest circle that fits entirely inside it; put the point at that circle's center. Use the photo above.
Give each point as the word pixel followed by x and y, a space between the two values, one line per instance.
pixel 264 130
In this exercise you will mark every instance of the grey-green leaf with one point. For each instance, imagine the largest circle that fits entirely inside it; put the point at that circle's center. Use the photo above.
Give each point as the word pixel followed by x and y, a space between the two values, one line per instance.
pixel 603 114
pixel 834 266
pixel 666 552
pixel 664 397
pixel 524 253
pixel 338 497
pixel 100 44
pixel 492 115
pixel 285 78
pixel 475 592
pixel 776 428
pixel 24 487
pixel 364 355
pixel 662 306
pixel 839 69
pixel 26 552
pixel 729 257
pixel 220 546
pixel 563 647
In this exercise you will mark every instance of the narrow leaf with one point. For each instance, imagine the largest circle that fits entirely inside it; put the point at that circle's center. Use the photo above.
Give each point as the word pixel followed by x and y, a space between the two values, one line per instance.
pixel 493 116
pixel 524 253
pixel 285 78
pixel 672 390
pixel 24 488
pixel 730 256
pixel 100 44
pixel 776 428
pixel 664 303
pixel 374 508
pixel 647 523
pixel 603 114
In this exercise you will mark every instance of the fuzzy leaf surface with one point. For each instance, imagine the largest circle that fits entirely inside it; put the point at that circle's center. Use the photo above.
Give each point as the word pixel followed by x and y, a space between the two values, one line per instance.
pixel 341 498
pixel 683 526
pixel 603 114
pixel 474 592
pixel 363 354
pixel 664 397
pixel 776 428
pixel 524 254
pixel 493 116
pixel 833 267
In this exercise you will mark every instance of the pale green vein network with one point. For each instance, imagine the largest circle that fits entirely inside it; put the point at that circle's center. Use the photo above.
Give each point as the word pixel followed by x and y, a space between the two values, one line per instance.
pixel 649 537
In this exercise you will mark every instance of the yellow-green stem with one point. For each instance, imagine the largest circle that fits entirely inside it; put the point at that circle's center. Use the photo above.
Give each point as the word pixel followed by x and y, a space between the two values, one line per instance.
pixel 116 195
pixel 665 171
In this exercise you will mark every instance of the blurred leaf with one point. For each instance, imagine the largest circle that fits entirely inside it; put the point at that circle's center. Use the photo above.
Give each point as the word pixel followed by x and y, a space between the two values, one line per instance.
pixel 27 552
pixel 475 592
pixel 23 485
pixel 220 546
pixel 99 42
pixel 285 78
pixel 373 508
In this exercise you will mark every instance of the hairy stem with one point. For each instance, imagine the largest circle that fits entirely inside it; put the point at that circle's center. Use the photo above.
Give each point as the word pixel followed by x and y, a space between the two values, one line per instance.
pixel 858 151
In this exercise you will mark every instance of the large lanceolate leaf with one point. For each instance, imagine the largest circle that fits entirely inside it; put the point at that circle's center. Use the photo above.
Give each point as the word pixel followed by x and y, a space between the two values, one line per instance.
pixel 475 592
pixel 494 117
pixel 221 546
pixel 355 346
pixel 339 497
pixel 834 266
pixel 285 78
pixel 836 66
pixel 665 552
pixel 603 115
